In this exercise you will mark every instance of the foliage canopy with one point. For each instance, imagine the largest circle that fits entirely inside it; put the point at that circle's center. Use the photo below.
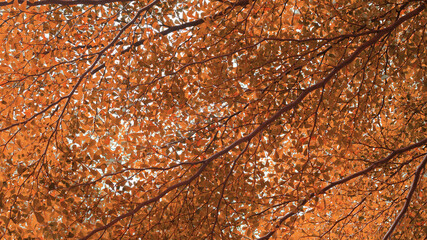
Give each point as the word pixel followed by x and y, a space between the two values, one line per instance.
pixel 219 119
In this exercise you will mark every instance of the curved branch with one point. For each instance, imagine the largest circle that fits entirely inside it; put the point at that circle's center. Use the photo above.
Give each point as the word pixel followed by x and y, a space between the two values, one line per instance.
pixel 89 70
pixel 344 180
pixel 408 199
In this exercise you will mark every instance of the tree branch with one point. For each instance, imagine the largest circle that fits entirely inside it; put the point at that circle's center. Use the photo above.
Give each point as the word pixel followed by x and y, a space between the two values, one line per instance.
pixel 344 180
pixel 408 199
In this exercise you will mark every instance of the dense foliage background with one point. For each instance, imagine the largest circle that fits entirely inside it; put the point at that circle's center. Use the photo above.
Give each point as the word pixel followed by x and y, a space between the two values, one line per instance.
pixel 213 119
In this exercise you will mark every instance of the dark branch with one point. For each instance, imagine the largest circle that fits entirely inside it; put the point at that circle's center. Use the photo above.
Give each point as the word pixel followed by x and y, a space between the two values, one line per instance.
pixel 344 180
pixel 408 199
